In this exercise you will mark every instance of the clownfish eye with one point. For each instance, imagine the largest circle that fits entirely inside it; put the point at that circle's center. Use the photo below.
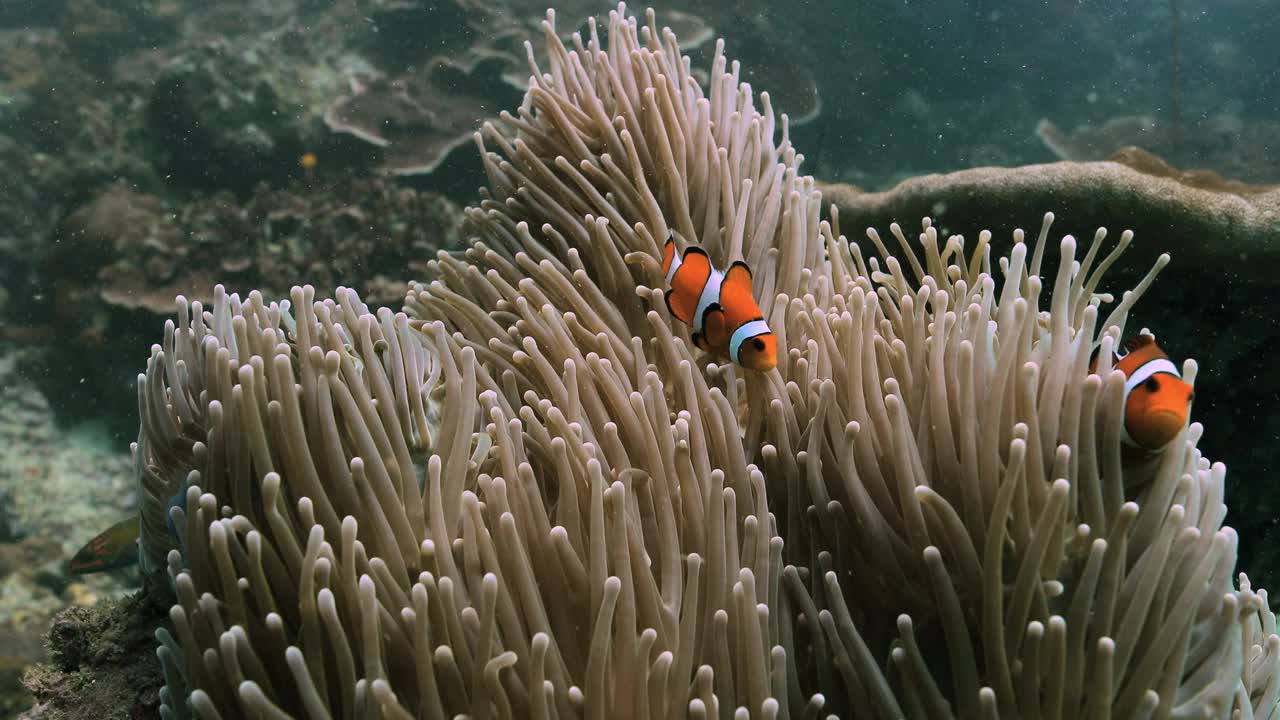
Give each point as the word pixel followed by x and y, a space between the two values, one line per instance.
pixel 758 344
pixel 1151 385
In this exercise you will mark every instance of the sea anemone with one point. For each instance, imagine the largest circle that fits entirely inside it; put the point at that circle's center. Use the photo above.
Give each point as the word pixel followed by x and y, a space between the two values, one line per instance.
pixel 528 496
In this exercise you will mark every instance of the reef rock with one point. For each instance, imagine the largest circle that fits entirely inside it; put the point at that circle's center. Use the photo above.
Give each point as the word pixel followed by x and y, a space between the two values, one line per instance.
pixel 1234 146
pixel 368 234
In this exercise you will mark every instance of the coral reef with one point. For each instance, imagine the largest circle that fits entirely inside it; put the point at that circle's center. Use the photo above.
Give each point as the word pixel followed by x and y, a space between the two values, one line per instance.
pixel 227 111
pixel 1205 219
pixel 56 487
pixel 925 508
pixel 48 113
pixel 133 251
pixel 416 120
pixel 1226 144
pixel 59 483
pixel 99 31
pixel 423 96
pixel 526 494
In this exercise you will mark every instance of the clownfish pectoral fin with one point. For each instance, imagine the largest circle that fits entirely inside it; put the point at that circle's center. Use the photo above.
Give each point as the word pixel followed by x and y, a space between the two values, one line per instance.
pixel 738 276
pixel 715 328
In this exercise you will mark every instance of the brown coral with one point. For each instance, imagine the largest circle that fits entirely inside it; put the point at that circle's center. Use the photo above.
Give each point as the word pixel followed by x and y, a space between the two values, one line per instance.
pixel 1207 220
pixel 417 112
pixel 139 253
pixel 417 119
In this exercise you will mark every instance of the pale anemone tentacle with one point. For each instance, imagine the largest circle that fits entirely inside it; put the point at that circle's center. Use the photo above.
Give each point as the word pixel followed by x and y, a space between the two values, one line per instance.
pixel 526 497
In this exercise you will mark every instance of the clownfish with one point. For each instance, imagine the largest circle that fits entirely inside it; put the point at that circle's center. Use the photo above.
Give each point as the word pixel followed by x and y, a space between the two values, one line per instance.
pixel 719 306
pixel 1156 399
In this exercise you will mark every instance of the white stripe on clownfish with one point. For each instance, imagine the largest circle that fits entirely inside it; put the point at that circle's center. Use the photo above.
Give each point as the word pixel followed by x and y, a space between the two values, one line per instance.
pixel 710 296
pixel 744 333
pixel 676 262
pixel 1149 368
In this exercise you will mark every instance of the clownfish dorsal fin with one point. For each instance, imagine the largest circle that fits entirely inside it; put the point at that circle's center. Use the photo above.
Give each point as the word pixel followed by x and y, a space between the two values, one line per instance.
pixel 668 252
pixel 738 275
pixel 1140 341
pixel 687 280
pixel 1096 356
pixel 694 250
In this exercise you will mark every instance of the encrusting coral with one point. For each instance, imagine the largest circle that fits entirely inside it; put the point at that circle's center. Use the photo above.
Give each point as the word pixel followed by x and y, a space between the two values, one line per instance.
pixel 526 496
pixel 1180 207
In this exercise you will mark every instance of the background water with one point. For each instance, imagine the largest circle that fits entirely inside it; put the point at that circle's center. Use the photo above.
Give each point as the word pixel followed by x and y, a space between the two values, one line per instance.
pixel 158 147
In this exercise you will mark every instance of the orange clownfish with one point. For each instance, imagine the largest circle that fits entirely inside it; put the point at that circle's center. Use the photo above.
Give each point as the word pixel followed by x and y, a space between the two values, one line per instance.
pixel 720 306
pixel 1156 400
